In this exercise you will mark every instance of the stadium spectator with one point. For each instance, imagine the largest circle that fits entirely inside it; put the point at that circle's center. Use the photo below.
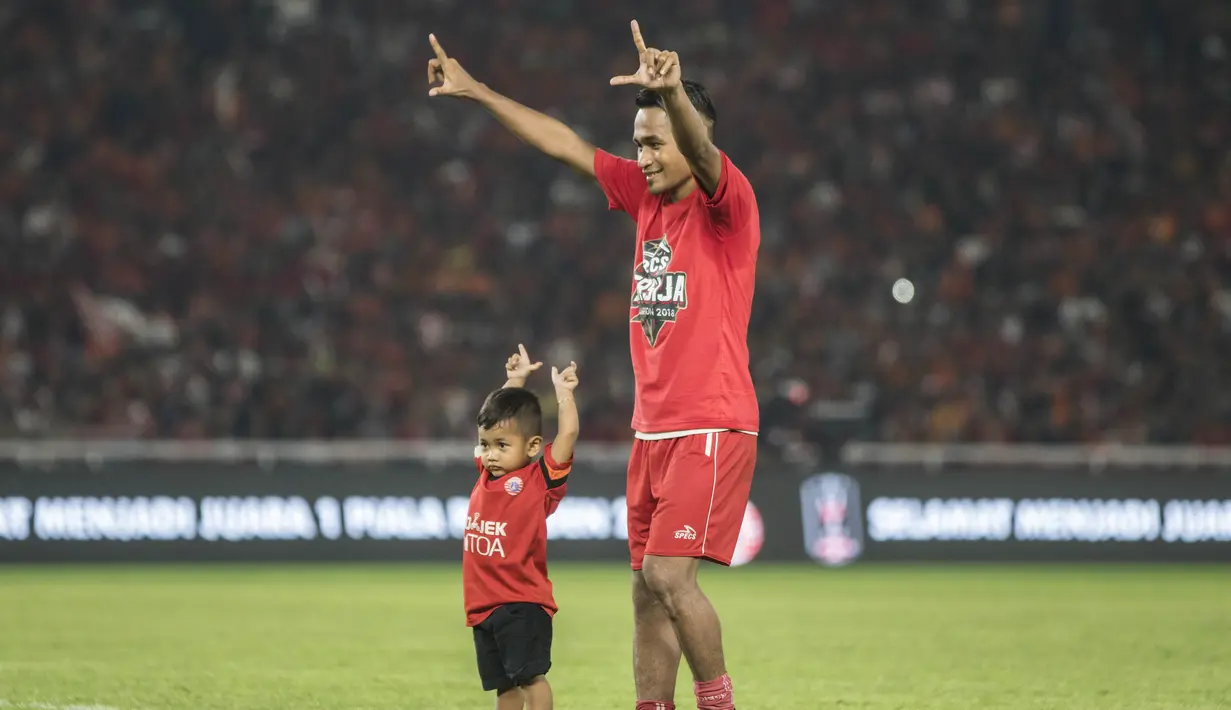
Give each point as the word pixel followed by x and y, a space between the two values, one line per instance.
pixel 243 219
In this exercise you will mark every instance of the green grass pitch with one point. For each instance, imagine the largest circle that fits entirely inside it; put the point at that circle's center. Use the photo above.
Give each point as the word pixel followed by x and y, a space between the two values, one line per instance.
pixel 376 637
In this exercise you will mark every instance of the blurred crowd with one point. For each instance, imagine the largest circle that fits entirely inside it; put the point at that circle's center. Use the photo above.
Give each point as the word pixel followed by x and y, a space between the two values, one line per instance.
pixel 228 218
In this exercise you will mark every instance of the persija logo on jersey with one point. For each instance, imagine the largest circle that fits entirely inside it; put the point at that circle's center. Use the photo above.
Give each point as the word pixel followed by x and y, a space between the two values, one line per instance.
pixel 513 486
pixel 658 293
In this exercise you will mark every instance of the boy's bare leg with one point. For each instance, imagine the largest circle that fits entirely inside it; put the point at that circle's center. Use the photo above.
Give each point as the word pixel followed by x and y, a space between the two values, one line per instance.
pixel 538 694
pixel 511 699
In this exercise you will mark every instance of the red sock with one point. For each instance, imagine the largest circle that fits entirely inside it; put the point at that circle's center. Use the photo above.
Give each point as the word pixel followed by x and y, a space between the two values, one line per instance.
pixel 655 705
pixel 715 694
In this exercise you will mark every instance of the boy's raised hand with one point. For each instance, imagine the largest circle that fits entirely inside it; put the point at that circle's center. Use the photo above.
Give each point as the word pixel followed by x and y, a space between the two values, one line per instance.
pixel 565 380
pixel 520 365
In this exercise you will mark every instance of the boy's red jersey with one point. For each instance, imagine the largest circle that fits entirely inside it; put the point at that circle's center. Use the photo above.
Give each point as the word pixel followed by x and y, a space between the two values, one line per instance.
pixel 694 273
pixel 504 551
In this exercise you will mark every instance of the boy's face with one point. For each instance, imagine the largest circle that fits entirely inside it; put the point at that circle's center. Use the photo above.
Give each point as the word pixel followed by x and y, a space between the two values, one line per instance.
pixel 503 448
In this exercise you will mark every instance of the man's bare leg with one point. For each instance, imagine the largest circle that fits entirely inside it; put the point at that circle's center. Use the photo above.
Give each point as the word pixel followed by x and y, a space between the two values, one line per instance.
pixel 673 582
pixel 656 648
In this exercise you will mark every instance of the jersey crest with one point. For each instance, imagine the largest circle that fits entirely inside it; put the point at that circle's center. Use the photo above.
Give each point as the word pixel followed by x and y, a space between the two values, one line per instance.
pixel 659 294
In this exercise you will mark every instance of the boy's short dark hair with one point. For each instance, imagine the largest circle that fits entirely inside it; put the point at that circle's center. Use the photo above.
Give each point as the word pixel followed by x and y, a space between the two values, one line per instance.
pixel 697 96
pixel 515 404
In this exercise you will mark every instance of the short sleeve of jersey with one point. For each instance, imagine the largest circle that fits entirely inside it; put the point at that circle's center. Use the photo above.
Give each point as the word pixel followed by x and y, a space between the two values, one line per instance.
pixel 733 204
pixel 554 472
pixel 621 181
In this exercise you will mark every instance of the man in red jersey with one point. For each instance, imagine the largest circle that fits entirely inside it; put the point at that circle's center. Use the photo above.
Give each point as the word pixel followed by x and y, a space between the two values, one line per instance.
pixel 696 415
pixel 505 588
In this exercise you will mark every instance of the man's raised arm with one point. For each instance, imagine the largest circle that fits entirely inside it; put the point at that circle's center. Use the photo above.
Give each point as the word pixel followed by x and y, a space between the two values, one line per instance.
pixel 659 70
pixel 538 129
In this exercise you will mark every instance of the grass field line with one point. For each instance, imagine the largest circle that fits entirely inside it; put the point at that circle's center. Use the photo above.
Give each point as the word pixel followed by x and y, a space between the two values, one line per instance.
pixel 14 705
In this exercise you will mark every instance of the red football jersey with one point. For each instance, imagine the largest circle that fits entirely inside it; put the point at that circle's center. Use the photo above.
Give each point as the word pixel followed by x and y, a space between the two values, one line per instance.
pixel 694 272
pixel 504 551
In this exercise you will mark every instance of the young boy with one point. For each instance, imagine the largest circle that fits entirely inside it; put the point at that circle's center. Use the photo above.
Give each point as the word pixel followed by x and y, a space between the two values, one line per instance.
pixel 507 594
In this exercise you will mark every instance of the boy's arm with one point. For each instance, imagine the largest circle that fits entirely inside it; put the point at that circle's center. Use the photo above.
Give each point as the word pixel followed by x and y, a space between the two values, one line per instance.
pixel 518 368
pixel 568 425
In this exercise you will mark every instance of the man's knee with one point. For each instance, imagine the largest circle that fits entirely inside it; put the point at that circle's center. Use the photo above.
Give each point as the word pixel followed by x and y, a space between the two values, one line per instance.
pixel 644 600
pixel 669 579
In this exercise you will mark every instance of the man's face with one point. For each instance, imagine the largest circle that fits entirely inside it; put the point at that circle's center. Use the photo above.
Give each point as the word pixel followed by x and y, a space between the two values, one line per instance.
pixel 660 159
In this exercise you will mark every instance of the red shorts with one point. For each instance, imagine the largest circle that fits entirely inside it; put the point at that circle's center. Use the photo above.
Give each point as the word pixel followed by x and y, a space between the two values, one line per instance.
pixel 687 495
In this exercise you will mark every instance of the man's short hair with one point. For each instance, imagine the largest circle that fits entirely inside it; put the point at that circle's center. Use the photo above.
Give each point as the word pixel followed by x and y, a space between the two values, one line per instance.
pixel 697 96
pixel 513 404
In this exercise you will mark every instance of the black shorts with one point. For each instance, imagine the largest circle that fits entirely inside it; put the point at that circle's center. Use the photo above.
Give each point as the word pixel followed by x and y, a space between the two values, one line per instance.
pixel 513 645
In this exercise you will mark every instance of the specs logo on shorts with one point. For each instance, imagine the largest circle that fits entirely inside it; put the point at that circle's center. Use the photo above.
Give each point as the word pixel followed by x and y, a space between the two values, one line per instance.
pixel 658 294
pixel 513 486
pixel 686 534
